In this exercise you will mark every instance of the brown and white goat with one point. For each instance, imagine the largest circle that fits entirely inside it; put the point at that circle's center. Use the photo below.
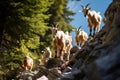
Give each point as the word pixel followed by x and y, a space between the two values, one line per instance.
pixel 27 63
pixel 68 44
pixel 81 37
pixel 47 54
pixel 94 19
pixel 62 43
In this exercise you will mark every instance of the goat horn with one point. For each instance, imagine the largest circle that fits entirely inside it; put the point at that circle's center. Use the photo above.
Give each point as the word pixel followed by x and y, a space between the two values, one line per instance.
pixel 79 27
pixel 87 5
pixel 82 6
pixel 52 25
pixel 57 25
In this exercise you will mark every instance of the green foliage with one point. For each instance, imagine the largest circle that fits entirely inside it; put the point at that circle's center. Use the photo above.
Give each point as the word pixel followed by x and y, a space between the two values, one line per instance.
pixel 9 61
pixel 25 18
pixel 25 28
pixel 60 15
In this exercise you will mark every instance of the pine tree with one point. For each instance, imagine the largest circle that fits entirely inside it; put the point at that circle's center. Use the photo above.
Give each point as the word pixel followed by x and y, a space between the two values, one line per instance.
pixel 24 19
pixel 60 15
pixel 25 27
pixel 22 22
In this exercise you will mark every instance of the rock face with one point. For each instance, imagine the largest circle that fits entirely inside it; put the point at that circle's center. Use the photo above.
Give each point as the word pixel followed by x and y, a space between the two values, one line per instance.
pixel 101 54
pixel 103 62
pixel 97 60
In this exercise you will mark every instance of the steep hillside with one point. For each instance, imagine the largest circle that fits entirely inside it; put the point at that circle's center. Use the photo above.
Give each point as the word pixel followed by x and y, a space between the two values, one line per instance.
pixel 103 52
pixel 97 60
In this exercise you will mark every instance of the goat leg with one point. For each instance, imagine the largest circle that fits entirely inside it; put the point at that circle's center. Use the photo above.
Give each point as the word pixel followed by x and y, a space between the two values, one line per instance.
pixel 58 53
pixel 62 54
pixel 94 31
pixel 90 32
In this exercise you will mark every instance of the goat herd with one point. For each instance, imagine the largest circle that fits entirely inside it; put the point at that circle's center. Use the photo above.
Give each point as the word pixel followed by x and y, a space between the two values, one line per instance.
pixel 63 41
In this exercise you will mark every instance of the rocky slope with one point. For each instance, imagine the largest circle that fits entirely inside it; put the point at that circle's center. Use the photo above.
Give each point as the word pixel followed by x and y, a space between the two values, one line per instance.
pixel 97 60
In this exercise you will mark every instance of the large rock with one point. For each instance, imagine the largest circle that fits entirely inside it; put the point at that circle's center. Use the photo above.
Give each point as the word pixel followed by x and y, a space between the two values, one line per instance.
pixel 104 58
pixel 105 68
pixel 74 49
pixel 53 63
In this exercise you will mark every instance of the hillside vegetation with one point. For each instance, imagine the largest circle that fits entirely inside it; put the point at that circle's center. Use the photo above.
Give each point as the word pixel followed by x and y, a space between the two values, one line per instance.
pixel 25 28
pixel 98 59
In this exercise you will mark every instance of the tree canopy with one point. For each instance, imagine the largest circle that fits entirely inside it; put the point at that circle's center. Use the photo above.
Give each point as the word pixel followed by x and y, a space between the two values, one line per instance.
pixel 25 27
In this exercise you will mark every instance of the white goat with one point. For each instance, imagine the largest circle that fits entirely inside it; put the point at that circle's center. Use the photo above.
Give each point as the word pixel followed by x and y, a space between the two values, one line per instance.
pixel 94 19
pixel 81 37
pixel 62 43
pixel 27 63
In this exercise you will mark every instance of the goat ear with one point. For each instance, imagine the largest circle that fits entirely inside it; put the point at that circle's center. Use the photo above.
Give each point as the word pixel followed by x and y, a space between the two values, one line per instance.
pixel 77 29
pixel 74 29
